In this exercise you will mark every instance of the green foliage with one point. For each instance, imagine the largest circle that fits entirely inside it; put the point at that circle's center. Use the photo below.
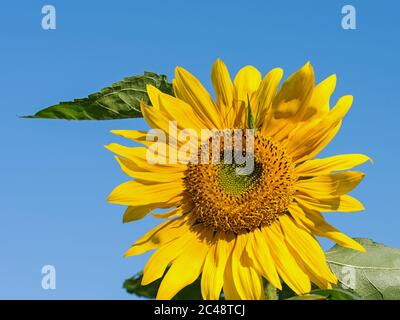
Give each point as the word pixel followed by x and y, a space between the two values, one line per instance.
pixel 120 101
pixel 336 294
pixel 377 272
pixel 331 294
pixel 250 122
pixel 132 285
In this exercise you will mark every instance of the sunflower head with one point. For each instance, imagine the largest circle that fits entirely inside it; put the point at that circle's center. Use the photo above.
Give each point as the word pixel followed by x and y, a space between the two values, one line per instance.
pixel 227 198
pixel 253 214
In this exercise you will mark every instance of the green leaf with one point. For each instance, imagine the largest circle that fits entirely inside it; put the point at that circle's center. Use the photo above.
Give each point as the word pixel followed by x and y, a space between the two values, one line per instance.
pixel 318 294
pixel 250 116
pixel 371 275
pixel 120 101
pixel 286 292
pixel 132 285
pixel 308 297
pixel 335 294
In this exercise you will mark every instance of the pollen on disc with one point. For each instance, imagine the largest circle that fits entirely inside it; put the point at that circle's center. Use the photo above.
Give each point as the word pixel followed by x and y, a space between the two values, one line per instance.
pixel 227 201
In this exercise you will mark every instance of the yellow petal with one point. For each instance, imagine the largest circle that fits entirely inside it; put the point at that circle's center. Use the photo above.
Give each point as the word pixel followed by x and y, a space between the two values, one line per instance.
pixel 139 155
pixel 343 203
pixel 223 88
pixel 155 118
pixel 134 213
pixel 230 289
pixel 154 95
pixel 178 110
pixel 248 283
pixel 179 274
pixel 307 248
pixel 159 261
pixel 186 207
pixel 167 129
pixel 316 223
pixel 209 290
pixel 334 184
pixel 159 236
pixel 259 253
pixel 190 90
pixel 327 165
pixel 299 215
pixel 301 220
pixel 212 278
pixel 139 192
pixel 290 104
pixel 222 83
pixel 135 135
pixel 287 267
pixel 320 281
pixel 265 95
pixel 246 83
pixel 131 168
pixel 294 94
pixel 319 103
pixel 308 140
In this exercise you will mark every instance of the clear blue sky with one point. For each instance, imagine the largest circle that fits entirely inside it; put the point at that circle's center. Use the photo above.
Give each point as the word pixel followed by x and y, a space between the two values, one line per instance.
pixel 55 175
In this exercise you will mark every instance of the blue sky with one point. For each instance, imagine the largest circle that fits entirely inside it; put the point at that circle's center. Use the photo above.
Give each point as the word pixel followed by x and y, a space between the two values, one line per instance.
pixel 55 175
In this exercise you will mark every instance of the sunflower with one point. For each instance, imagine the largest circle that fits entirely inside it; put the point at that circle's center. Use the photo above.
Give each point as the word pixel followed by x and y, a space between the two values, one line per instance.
pixel 237 231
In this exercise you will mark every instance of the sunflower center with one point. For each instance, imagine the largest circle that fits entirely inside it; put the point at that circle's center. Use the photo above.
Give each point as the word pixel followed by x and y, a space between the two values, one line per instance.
pixel 233 183
pixel 227 199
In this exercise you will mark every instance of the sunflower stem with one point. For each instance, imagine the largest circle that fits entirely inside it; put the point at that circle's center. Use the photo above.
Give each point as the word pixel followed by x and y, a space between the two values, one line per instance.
pixel 270 292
